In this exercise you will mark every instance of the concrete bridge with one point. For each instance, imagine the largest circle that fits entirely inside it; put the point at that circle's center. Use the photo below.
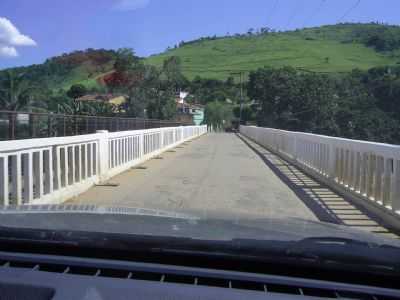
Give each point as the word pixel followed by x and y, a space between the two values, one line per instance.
pixel 260 172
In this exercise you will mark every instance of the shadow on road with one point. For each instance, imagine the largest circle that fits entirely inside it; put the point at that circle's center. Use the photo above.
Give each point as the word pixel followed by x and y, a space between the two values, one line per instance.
pixel 290 179
pixel 326 205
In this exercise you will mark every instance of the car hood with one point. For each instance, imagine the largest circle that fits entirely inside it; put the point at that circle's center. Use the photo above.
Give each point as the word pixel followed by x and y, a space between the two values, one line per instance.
pixel 150 222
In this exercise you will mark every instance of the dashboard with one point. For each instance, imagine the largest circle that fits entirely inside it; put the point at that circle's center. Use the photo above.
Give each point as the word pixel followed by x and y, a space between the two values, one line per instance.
pixel 45 277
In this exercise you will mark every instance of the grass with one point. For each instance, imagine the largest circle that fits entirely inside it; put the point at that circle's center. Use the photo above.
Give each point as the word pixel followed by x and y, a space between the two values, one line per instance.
pixel 218 58
pixel 328 49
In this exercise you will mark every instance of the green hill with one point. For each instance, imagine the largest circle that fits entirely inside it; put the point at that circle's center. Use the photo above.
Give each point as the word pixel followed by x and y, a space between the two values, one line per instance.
pixel 61 72
pixel 334 48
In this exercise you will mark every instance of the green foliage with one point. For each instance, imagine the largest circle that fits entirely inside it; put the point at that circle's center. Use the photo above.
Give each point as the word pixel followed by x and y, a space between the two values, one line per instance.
pixel 150 92
pixel 209 90
pixel 249 113
pixel 172 69
pixel 16 93
pixel 61 72
pixel 162 105
pixel 359 105
pixel 125 60
pixel 218 115
pixel 77 91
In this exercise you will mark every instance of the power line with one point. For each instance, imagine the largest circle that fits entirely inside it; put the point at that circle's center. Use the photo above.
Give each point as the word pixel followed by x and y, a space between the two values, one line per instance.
pixel 349 10
pixel 315 12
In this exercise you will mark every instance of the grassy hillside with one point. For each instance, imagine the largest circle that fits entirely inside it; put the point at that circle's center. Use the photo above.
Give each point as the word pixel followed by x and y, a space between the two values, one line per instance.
pixel 337 48
pixel 333 48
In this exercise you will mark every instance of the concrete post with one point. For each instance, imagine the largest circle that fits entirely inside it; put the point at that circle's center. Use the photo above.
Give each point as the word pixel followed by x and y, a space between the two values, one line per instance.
pixel 141 145
pixel 332 161
pixel 161 138
pixel 103 154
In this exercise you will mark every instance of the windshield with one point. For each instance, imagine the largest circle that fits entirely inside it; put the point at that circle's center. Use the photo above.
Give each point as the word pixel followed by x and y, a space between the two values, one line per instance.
pixel 210 120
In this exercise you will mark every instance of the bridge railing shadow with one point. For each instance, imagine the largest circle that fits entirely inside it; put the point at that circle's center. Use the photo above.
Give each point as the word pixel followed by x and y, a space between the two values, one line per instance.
pixel 326 205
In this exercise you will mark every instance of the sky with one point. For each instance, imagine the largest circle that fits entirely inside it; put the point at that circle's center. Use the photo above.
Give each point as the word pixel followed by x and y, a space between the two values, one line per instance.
pixel 33 30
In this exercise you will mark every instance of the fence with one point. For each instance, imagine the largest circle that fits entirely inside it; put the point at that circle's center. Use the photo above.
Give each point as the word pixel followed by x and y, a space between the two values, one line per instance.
pixel 51 170
pixel 23 125
pixel 369 171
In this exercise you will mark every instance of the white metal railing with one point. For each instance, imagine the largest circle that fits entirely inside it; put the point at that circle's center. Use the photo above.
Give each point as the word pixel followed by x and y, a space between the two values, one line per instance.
pixel 369 170
pixel 51 170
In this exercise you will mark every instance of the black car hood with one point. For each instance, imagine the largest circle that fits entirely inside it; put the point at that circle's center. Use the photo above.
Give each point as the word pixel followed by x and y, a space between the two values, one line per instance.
pixel 148 222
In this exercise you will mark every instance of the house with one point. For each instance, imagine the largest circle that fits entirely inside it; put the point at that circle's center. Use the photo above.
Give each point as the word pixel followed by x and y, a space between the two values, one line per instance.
pixel 106 98
pixel 188 112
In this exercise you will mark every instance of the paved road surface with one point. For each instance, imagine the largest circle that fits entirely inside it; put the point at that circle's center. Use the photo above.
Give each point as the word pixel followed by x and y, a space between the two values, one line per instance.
pixel 215 175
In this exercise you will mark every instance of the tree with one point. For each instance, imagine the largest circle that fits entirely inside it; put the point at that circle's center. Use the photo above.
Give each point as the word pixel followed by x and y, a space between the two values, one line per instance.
pixel 162 105
pixel 126 59
pixel 172 69
pixel 16 93
pixel 359 105
pixel 292 100
pixel 218 115
pixel 209 90
pixel 248 113
pixel 76 91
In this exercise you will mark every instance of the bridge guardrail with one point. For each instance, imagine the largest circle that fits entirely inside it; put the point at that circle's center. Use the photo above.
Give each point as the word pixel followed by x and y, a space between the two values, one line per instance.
pixel 52 170
pixel 26 125
pixel 369 171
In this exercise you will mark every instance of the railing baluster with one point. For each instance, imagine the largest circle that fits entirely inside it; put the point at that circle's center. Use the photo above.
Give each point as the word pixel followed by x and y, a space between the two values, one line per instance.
pixel 89 160
pixel 78 163
pixel 84 161
pixel 379 178
pixel 388 169
pixel 370 176
pixel 395 186
pixel 113 154
pixel 95 159
pixel 4 198
pixel 16 178
pixel 57 168
pixel 48 167
pixel 65 166
pixel 28 177
pixel 357 175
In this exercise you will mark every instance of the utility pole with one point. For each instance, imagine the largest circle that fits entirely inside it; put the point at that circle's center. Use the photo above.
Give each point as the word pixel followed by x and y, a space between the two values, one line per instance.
pixel 241 98
pixel 241 73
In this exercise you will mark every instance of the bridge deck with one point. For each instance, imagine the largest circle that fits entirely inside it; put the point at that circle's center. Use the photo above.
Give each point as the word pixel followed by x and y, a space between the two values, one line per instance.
pixel 220 174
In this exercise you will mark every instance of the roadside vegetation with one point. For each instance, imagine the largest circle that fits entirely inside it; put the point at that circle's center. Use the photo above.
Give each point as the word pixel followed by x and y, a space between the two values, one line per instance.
pixel 341 80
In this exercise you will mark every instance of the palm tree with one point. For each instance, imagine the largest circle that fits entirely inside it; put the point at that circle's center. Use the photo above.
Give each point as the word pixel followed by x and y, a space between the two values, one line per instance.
pixel 16 93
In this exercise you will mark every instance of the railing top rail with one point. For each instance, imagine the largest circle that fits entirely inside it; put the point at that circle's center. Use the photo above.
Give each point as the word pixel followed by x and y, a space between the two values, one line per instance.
pixel 332 139
pixel 29 144
pixel 36 143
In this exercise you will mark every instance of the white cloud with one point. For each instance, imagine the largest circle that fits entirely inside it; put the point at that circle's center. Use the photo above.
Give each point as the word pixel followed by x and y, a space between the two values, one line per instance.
pixel 10 37
pixel 7 51
pixel 131 4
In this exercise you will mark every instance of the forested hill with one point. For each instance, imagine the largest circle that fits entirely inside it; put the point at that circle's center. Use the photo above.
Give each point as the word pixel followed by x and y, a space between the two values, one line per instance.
pixel 332 48
pixel 79 67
